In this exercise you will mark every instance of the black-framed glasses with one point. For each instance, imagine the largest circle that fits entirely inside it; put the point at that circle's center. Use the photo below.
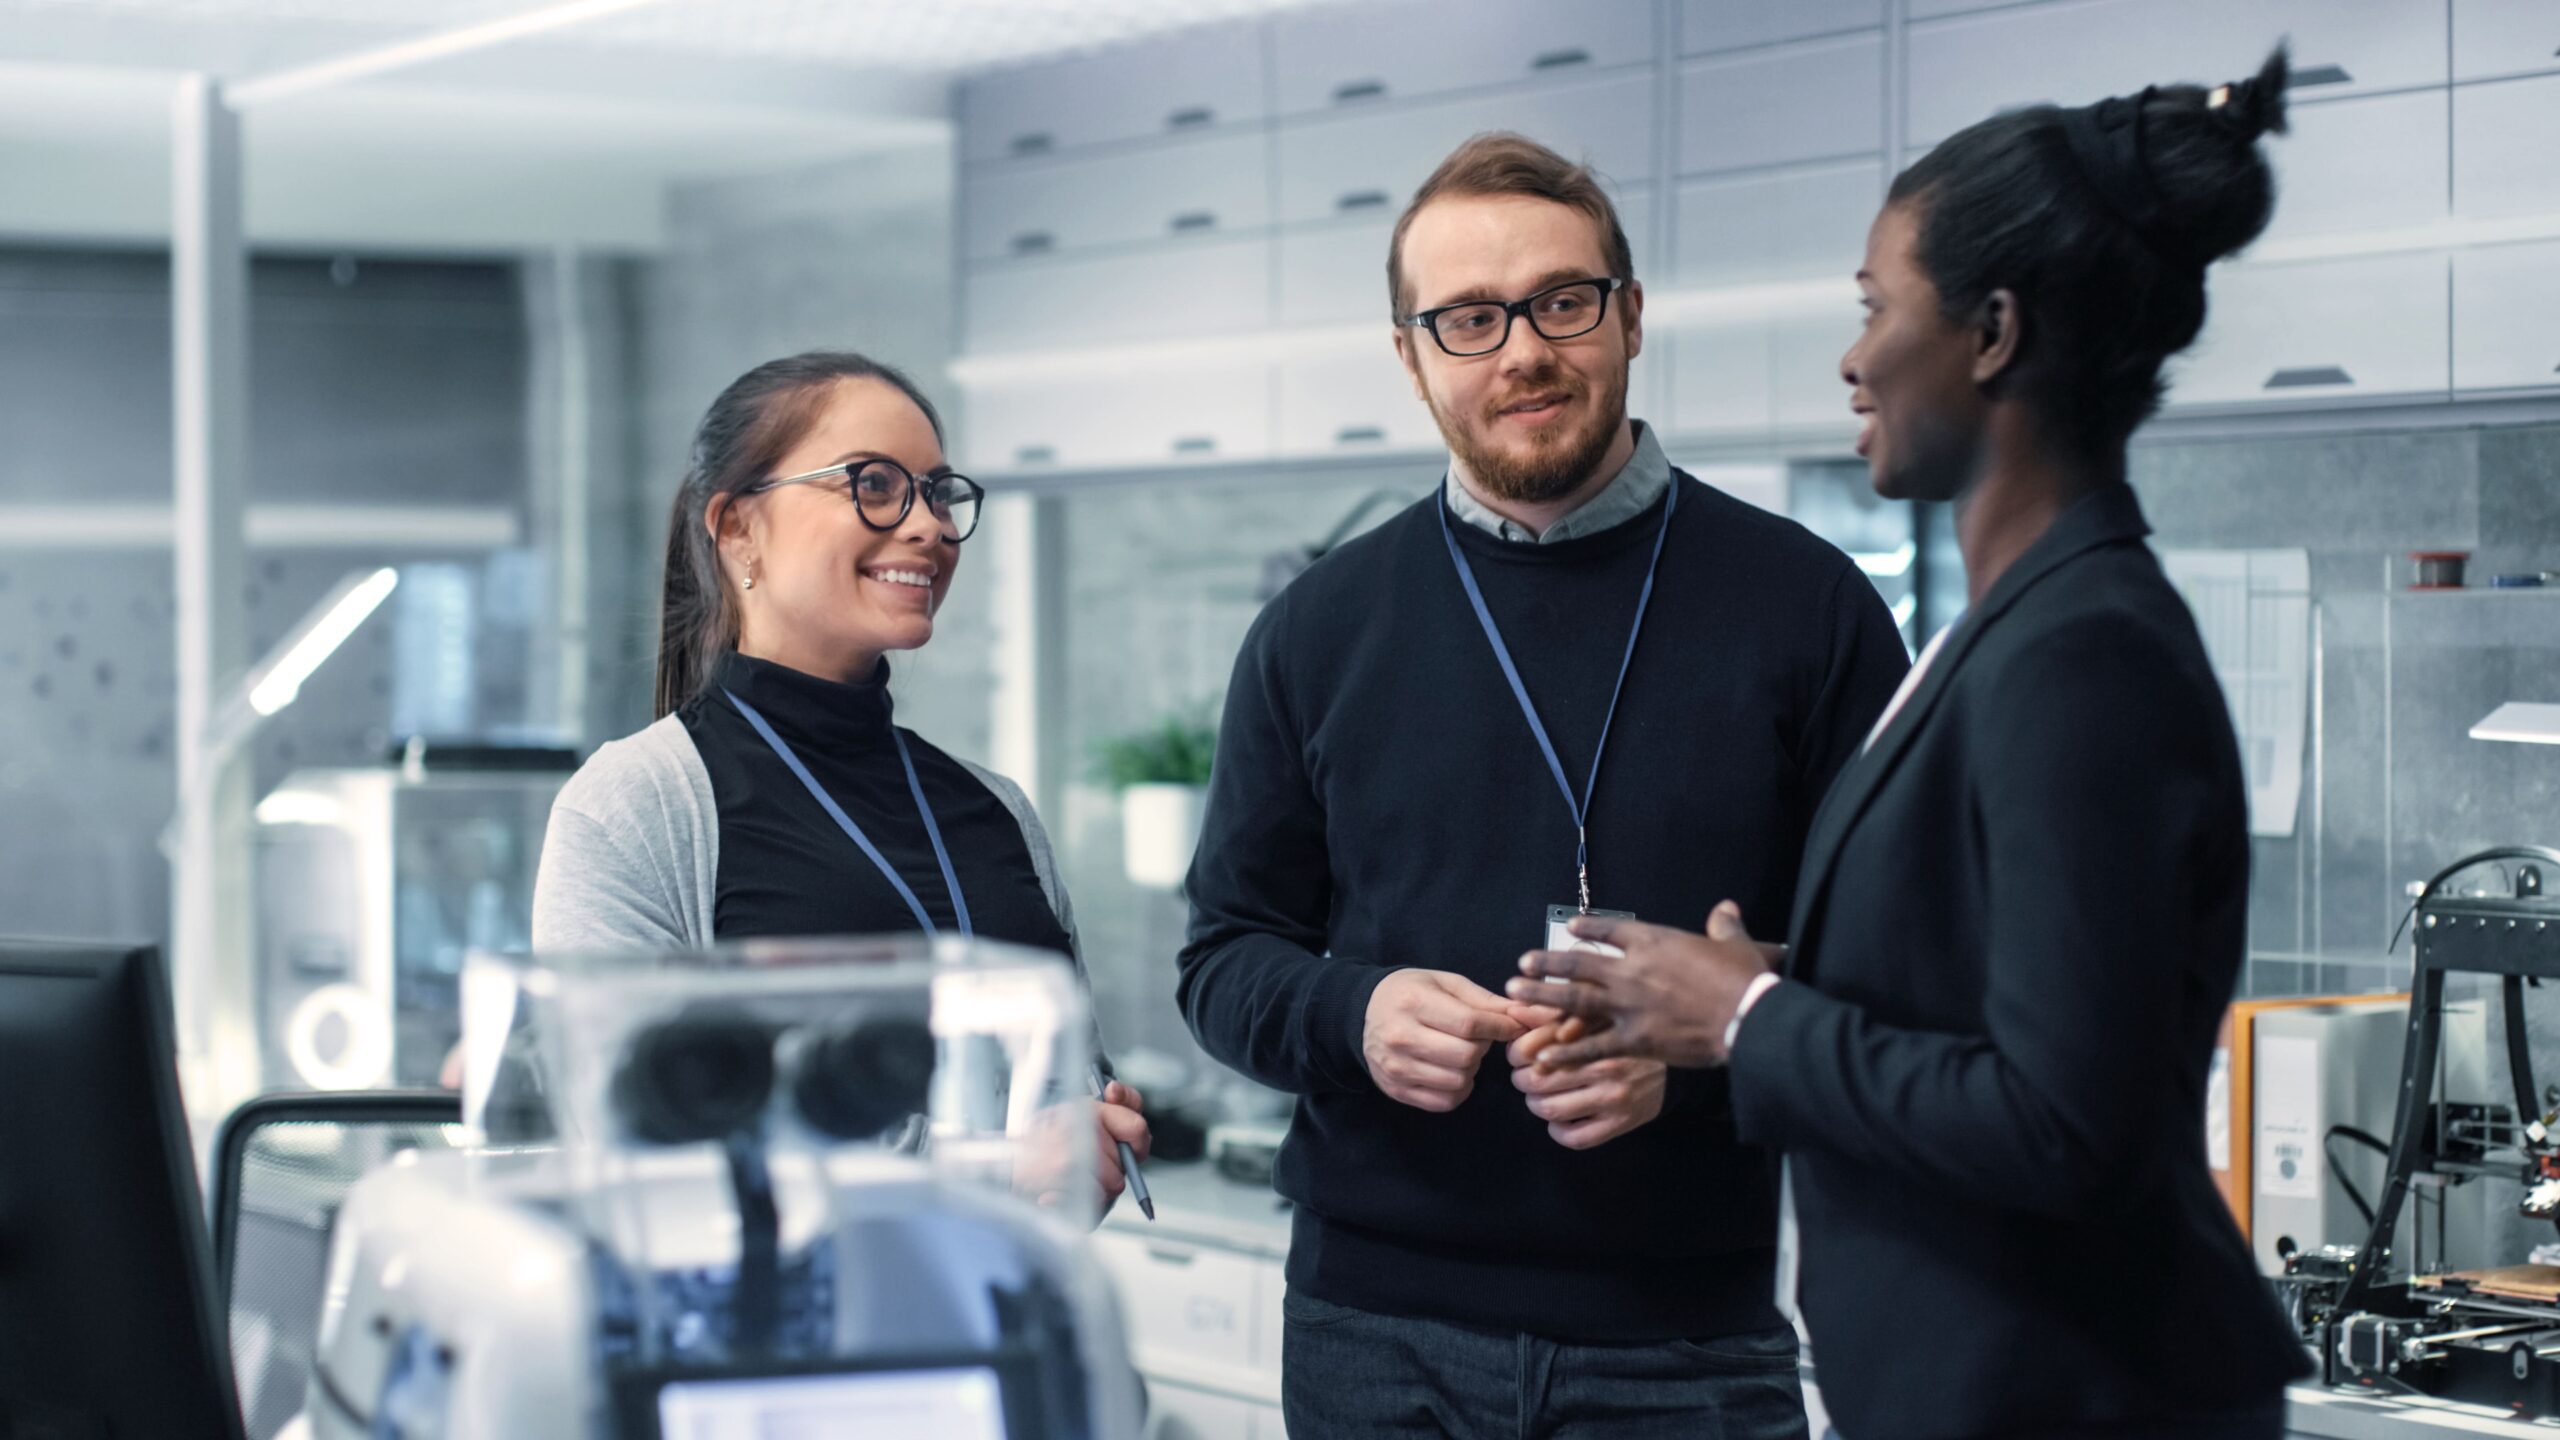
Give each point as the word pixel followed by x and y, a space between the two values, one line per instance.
pixel 1480 327
pixel 884 494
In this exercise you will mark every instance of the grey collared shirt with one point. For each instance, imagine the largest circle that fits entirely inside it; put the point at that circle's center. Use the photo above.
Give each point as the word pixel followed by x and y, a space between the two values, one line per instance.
pixel 1636 486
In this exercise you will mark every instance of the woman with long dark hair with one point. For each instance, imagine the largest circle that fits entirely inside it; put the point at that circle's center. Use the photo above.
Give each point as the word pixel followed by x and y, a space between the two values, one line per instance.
pixel 817 530
pixel 2023 908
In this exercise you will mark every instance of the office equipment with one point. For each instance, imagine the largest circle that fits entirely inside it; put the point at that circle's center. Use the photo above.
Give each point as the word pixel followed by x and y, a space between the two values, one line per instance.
pixel 107 1310
pixel 2230 1096
pixel 2317 1070
pixel 2486 1331
pixel 372 884
pixel 1247 1150
pixel 801 1188
pixel 282 1165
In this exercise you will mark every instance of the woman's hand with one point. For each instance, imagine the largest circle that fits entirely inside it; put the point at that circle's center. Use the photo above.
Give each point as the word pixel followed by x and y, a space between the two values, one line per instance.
pixel 1669 997
pixel 1119 1117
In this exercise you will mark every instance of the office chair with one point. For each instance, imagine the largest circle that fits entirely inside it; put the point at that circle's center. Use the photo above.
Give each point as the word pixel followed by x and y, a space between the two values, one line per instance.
pixel 282 1165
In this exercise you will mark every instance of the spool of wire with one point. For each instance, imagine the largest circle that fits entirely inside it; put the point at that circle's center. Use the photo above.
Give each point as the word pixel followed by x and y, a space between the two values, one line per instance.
pixel 2437 569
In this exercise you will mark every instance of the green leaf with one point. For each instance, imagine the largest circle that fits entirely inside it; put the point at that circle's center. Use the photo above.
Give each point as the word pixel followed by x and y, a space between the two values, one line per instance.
pixel 1176 752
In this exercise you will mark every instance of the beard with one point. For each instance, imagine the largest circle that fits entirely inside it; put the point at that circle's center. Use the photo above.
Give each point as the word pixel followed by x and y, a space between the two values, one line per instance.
pixel 1552 466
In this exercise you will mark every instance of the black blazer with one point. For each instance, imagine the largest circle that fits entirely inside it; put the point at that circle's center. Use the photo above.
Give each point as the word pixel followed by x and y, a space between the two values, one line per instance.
pixel 2020 918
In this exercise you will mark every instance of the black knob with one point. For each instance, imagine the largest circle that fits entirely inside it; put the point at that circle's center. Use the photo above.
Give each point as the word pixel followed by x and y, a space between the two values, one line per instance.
pixel 701 1076
pixel 858 1082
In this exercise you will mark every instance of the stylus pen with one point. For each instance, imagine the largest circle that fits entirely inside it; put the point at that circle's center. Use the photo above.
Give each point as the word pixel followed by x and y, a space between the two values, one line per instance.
pixel 1128 1160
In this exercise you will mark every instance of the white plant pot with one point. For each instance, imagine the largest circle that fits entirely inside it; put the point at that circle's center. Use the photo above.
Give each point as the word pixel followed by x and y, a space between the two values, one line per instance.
pixel 1159 828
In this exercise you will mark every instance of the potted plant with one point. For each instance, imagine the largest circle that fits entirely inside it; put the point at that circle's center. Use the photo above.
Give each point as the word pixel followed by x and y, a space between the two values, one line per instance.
pixel 1162 775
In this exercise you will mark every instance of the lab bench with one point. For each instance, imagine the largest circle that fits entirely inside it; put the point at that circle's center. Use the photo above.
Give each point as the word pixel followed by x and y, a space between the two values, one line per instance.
pixel 1200 1292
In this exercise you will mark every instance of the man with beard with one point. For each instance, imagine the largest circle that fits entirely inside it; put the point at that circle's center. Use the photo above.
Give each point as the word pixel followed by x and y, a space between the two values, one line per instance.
pixel 1571 679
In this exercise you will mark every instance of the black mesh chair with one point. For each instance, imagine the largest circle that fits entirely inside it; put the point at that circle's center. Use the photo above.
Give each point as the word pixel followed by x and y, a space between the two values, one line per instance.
pixel 282 1165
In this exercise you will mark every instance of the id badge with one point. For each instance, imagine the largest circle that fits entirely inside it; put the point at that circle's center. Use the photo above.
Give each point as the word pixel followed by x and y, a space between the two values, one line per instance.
pixel 1559 938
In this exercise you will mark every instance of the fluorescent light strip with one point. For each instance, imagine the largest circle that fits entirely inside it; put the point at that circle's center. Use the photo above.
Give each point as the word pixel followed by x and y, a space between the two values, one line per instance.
pixel 1887 563
pixel 2521 721
pixel 278 687
pixel 2403 239
pixel 301 807
pixel 285 84
pixel 281 527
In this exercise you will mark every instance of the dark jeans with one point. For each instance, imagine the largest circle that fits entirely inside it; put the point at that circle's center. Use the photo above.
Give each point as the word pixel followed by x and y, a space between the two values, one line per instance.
pixel 2253 1422
pixel 1349 1375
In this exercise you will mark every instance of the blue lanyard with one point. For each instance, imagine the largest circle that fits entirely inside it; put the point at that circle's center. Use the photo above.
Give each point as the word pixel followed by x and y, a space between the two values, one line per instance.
pixel 853 832
pixel 1581 807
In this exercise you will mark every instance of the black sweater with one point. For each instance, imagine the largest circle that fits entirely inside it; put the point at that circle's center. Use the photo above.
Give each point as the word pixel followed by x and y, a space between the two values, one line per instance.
pixel 785 867
pixel 1379 803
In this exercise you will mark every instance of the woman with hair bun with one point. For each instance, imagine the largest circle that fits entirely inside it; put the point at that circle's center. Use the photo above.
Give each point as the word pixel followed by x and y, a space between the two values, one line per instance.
pixel 2024 906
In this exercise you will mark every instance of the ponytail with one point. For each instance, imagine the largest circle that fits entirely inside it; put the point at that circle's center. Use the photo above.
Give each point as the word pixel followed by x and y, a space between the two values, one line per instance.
pixel 747 430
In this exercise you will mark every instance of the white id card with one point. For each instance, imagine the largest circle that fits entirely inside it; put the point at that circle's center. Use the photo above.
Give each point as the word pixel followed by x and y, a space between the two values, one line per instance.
pixel 1559 938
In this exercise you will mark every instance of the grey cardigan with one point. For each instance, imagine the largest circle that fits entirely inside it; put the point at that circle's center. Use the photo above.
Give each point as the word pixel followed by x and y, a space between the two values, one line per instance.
pixel 632 856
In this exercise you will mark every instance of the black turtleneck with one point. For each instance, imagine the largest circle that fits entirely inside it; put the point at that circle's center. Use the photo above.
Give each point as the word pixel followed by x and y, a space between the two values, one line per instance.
pixel 785 867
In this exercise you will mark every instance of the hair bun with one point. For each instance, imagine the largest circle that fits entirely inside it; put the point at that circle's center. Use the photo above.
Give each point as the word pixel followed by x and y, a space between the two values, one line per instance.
pixel 2255 106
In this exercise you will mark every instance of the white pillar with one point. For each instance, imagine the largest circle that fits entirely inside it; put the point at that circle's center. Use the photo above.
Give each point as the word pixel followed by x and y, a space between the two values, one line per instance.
pixel 209 310
pixel 561 391
pixel 1028 536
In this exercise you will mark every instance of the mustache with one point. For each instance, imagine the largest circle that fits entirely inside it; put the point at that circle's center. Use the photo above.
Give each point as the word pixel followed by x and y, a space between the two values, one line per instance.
pixel 1552 383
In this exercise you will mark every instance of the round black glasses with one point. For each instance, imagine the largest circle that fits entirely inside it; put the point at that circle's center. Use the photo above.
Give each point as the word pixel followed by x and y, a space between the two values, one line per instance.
pixel 884 494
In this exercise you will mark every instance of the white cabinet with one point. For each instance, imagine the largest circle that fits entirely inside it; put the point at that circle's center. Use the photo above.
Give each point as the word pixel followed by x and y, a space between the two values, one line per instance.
pixel 1372 163
pixel 1183 83
pixel 1178 1412
pixel 1337 274
pixel 1144 414
pixel 2504 37
pixel 1815 101
pixel 2070 52
pixel 1353 55
pixel 2506 148
pixel 2506 316
pixel 2370 163
pixel 1172 292
pixel 1755 376
pixel 1357 402
pixel 1775 225
pixel 2320 329
pixel 1216 183
pixel 1739 24
pixel 1187 1305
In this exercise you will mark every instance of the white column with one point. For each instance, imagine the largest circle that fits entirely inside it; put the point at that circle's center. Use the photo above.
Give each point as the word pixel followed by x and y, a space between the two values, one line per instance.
pixel 1028 535
pixel 209 309
pixel 561 391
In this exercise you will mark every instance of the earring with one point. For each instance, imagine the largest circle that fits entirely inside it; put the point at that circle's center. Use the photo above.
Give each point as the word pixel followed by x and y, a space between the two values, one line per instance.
pixel 751 580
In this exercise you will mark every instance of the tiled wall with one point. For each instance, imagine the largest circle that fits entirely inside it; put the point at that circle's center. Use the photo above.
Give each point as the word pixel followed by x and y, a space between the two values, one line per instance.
pixel 2395 788
pixel 1162 579
pixel 1162 582
pixel 388 382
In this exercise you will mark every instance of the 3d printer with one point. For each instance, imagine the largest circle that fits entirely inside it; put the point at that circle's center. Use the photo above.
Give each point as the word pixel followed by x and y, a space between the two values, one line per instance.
pixel 2489 1335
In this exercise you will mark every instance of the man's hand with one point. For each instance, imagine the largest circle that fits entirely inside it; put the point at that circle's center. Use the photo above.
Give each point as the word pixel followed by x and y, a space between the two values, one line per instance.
pixel 1668 998
pixel 1427 1032
pixel 1584 1105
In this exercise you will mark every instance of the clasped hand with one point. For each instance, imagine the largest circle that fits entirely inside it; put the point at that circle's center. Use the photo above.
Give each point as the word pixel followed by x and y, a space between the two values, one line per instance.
pixel 1428 1032
pixel 1668 997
